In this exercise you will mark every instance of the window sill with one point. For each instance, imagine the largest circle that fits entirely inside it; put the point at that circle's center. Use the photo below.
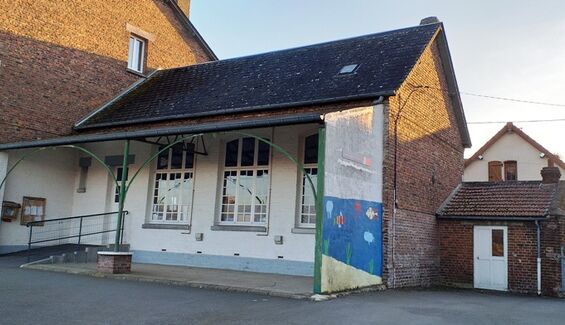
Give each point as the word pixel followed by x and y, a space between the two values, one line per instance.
pixel 239 228
pixel 164 226
pixel 137 73
pixel 303 230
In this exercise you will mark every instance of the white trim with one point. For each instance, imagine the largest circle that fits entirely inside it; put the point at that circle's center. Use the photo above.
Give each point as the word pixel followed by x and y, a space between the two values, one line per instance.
pixel 136 53
pixel 300 190
pixel 190 197
pixel 255 168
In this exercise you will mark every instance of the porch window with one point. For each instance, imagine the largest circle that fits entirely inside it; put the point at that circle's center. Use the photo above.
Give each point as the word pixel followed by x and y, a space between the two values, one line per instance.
pixel 307 211
pixel 172 191
pixel 245 182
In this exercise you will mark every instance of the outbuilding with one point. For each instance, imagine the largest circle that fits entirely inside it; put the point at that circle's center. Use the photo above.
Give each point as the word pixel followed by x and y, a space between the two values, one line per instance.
pixel 506 236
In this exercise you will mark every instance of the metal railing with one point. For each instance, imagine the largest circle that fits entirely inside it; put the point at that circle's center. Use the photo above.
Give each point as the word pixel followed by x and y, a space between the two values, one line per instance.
pixel 64 230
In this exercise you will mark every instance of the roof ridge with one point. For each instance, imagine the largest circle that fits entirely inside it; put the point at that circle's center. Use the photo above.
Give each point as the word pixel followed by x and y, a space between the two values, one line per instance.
pixel 290 49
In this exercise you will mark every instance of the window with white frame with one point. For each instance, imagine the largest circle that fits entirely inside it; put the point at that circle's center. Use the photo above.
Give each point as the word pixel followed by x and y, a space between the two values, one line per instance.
pixel 245 183
pixel 136 54
pixel 172 190
pixel 307 210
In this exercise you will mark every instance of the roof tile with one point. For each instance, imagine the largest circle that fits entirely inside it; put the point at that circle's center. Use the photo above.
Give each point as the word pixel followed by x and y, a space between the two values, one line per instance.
pixel 501 199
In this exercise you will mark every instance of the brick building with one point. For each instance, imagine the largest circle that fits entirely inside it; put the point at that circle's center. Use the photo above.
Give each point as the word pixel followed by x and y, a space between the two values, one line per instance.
pixel 505 235
pixel 60 60
pixel 328 160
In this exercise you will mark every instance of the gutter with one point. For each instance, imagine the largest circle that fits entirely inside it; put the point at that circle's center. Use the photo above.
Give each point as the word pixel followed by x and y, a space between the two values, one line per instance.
pixel 491 218
pixel 258 108
pixel 227 125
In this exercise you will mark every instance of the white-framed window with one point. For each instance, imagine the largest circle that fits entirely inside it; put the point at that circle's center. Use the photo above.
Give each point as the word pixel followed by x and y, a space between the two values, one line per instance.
pixel 136 54
pixel 245 182
pixel 307 207
pixel 118 172
pixel 173 186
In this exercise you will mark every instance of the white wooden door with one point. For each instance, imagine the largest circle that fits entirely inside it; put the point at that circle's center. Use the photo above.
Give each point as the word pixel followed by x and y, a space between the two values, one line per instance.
pixel 490 246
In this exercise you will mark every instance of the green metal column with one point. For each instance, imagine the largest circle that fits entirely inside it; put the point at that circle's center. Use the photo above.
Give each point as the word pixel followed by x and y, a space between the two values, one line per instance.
pixel 122 197
pixel 319 211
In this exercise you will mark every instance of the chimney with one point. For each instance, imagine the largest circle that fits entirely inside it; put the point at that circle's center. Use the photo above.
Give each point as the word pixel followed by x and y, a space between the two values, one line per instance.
pixel 550 175
pixel 429 20
pixel 184 5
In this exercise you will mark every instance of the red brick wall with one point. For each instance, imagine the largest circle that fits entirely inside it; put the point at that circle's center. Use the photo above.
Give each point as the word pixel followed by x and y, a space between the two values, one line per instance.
pixel 429 167
pixel 456 243
pixel 59 60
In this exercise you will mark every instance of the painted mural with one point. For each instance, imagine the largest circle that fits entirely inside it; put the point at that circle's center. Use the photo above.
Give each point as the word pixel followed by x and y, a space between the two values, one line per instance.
pixel 352 233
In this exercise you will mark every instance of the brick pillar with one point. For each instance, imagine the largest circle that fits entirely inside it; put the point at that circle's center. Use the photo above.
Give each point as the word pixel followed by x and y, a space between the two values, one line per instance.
pixel 114 262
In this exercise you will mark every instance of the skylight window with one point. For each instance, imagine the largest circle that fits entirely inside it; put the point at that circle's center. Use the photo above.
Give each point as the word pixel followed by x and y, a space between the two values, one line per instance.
pixel 350 68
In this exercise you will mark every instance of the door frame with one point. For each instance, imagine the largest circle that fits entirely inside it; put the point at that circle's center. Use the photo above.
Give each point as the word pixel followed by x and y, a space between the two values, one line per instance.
pixel 475 255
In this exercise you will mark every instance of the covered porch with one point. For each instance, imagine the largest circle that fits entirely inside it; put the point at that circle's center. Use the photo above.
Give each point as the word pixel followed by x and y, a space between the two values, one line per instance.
pixel 239 195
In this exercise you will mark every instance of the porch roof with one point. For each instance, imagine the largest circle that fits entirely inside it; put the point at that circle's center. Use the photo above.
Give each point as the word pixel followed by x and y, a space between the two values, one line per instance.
pixel 217 126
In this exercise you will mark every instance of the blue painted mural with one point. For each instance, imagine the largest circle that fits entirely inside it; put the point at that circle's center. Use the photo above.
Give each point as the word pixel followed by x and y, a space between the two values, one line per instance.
pixel 352 233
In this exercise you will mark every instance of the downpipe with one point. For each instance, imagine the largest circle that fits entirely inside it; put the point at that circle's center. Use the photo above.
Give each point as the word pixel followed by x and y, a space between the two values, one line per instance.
pixel 538 228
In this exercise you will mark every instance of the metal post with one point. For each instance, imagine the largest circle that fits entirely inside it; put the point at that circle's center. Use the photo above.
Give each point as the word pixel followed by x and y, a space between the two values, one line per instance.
pixel 29 243
pixel 79 230
pixel 122 230
pixel 319 211
pixel 122 197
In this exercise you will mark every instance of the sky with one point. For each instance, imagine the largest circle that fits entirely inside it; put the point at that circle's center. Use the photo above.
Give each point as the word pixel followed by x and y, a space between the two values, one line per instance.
pixel 504 48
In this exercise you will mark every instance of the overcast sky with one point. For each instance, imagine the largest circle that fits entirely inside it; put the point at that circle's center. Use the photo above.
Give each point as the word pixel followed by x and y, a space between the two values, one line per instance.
pixel 504 48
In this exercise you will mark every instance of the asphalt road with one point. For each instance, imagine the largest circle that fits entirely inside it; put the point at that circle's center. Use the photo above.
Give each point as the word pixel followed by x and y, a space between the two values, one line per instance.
pixel 37 297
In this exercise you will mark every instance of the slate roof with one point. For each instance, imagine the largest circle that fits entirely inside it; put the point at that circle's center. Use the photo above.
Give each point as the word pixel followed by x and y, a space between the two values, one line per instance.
pixel 294 77
pixel 513 199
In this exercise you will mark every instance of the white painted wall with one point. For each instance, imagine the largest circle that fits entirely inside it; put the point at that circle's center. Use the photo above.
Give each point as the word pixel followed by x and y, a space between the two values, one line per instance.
pixel 49 174
pixel 282 216
pixel 509 147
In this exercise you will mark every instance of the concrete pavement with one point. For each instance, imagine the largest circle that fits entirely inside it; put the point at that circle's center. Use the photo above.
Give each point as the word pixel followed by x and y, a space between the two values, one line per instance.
pixel 37 297
pixel 287 286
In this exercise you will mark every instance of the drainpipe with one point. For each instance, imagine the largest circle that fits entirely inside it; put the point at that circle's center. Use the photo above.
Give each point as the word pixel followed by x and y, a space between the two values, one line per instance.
pixel 538 228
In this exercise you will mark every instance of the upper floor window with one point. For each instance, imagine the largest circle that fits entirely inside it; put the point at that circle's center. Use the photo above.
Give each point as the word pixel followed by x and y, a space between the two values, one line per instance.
pixel 245 183
pixel 494 171
pixel 511 170
pixel 136 55
pixel 307 212
pixel 173 184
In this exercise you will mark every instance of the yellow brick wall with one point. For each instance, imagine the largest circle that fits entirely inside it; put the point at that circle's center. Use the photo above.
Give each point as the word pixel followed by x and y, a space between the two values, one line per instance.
pixel 99 27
